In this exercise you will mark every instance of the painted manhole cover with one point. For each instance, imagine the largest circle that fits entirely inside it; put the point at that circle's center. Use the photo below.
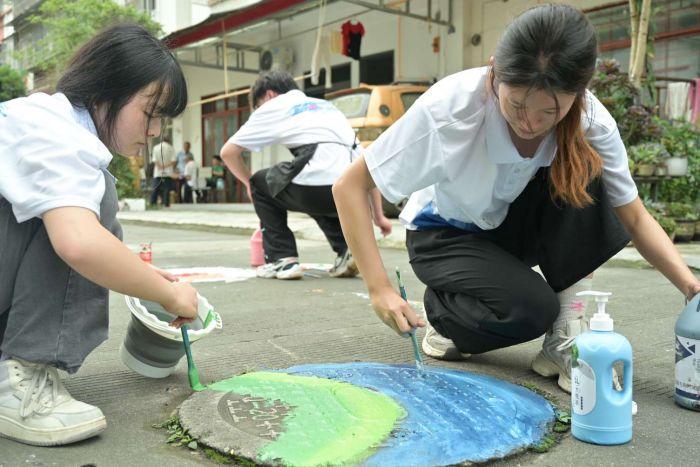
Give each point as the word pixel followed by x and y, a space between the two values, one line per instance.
pixel 363 413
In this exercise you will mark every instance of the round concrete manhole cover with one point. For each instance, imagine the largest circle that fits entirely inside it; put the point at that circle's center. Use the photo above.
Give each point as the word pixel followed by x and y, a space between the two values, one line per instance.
pixel 372 414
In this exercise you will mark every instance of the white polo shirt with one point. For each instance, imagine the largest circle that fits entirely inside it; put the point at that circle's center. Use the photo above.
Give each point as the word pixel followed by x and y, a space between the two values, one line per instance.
pixel 452 155
pixel 50 156
pixel 293 119
pixel 164 154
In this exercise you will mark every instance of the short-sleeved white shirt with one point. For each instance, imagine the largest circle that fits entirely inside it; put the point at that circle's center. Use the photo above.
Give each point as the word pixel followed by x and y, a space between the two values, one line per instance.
pixel 293 119
pixel 452 155
pixel 50 156
pixel 164 154
pixel 191 172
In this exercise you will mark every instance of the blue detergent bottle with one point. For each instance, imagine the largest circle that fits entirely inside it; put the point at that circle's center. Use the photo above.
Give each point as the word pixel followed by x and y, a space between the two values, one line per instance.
pixel 601 414
pixel 687 393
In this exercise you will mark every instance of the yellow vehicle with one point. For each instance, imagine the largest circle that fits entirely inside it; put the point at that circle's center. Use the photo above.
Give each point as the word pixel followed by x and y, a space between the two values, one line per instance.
pixel 372 109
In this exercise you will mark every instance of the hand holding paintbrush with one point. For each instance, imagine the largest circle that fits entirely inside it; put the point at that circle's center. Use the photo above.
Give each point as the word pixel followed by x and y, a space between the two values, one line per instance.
pixel 412 333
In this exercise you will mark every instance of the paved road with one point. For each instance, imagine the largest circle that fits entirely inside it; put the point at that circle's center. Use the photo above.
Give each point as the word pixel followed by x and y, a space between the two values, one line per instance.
pixel 274 324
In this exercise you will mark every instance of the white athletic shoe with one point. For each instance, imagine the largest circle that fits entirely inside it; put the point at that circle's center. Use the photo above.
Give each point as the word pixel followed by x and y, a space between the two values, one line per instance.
pixel 344 266
pixel 36 409
pixel 285 268
pixel 442 348
pixel 555 357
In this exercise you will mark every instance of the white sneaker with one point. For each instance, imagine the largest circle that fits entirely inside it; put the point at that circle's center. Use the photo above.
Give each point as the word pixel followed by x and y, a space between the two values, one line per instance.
pixel 344 266
pixel 36 409
pixel 285 268
pixel 555 357
pixel 441 347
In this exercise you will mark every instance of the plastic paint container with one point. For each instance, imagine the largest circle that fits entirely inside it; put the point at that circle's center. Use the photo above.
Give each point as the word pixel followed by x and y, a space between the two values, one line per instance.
pixel 687 393
pixel 151 346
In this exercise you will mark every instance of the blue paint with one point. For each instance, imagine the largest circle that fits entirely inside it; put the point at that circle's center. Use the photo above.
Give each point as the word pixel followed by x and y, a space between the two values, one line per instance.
pixel 453 416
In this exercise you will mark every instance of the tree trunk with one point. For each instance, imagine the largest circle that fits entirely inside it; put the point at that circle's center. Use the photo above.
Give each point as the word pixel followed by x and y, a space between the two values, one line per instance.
pixel 641 47
pixel 634 25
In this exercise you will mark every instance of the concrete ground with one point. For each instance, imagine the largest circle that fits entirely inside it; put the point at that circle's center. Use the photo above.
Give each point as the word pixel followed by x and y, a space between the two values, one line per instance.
pixel 276 324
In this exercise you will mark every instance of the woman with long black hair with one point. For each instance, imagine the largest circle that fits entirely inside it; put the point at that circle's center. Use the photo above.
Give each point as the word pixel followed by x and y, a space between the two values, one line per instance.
pixel 60 242
pixel 506 167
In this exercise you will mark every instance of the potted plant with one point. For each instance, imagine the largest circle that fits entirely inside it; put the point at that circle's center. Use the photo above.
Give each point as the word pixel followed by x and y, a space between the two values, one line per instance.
pixel 680 139
pixel 645 157
pixel 685 217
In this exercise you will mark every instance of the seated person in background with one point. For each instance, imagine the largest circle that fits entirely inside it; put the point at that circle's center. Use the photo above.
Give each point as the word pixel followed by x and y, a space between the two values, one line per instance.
pixel 191 177
pixel 217 181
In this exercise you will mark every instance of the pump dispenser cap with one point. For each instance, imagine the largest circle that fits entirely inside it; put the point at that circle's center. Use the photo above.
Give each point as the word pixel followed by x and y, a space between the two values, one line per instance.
pixel 601 320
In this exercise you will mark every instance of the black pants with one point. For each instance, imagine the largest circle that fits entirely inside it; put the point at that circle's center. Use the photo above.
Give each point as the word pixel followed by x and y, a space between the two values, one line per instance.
pixel 316 201
pixel 481 291
pixel 162 186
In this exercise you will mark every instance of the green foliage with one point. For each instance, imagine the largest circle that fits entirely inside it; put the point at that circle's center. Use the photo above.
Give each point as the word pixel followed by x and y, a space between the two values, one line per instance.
pixel 613 88
pixel 119 167
pixel 70 23
pixel 682 211
pixel 11 84
pixel 647 153
pixel 636 122
pixel 682 140
pixel 178 436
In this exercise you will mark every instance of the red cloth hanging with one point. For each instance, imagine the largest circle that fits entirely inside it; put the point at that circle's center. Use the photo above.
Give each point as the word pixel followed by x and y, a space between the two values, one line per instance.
pixel 352 39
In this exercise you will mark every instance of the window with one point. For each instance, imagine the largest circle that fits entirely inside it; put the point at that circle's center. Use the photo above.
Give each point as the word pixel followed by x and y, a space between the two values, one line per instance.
pixel 340 79
pixel 676 29
pixel 377 68
pixel 352 105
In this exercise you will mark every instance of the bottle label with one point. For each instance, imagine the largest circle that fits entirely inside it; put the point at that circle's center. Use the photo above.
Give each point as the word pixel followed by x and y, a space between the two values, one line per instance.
pixel 582 387
pixel 687 367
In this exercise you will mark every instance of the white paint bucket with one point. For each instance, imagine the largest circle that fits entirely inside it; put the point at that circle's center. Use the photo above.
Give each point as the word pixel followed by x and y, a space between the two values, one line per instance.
pixel 151 346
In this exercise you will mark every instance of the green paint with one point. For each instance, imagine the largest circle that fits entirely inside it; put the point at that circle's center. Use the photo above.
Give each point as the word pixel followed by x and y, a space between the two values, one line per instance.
pixel 192 373
pixel 354 420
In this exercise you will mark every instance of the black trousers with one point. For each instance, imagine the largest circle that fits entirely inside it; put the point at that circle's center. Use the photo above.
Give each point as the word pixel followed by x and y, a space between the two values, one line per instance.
pixel 481 291
pixel 316 201
pixel 162 186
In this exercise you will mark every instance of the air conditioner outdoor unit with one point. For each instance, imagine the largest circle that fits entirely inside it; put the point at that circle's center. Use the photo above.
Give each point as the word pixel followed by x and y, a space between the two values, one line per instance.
pixel 277 59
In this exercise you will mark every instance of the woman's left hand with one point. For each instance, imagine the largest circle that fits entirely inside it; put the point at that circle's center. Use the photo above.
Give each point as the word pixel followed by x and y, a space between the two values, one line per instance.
pixel 693 290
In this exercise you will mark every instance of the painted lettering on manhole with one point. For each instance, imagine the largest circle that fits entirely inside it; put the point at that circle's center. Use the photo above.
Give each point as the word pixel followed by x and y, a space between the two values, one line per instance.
pixel 254 415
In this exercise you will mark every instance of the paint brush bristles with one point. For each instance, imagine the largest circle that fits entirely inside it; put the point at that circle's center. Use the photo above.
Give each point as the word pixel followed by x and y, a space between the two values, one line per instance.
pixel 192 373
pixel 412 332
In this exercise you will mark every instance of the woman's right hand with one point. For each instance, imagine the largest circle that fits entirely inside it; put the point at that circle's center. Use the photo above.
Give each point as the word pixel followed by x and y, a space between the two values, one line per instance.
pixel 395 311
pixel 183 302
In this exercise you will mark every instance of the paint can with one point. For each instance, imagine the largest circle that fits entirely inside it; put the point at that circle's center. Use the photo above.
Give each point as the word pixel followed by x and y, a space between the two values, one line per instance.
pixel 146 252
pixel 687 393
pixel 151 346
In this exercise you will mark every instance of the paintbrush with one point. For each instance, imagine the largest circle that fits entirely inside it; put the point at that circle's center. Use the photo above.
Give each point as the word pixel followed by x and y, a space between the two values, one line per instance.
pixel 192 373
pixel 412 332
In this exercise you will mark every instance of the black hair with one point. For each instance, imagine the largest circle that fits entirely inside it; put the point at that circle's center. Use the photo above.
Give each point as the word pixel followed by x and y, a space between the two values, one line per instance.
pixel 217 157
pixel 277 81
pixel 548 47
pixel 553 48
pixel 113 66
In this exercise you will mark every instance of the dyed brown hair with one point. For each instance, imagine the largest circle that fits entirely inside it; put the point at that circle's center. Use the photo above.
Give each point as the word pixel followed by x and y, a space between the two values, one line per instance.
pixel 554 48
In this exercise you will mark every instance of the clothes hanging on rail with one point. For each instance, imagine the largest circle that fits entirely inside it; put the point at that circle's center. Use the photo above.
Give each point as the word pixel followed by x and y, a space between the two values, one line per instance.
pixel 352 39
